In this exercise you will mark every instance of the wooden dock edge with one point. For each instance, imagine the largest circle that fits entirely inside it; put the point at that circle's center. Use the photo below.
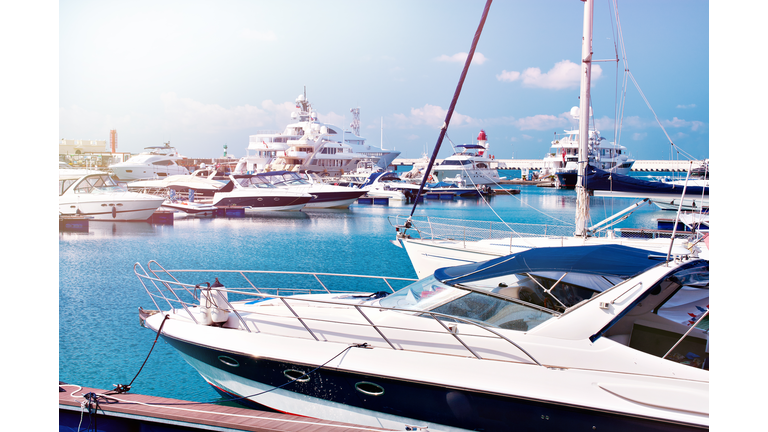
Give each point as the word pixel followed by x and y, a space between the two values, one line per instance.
pixel 129 408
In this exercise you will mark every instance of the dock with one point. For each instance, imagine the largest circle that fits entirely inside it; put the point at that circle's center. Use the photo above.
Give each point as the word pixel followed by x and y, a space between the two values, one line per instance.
pixel 535 164
pixel 130 411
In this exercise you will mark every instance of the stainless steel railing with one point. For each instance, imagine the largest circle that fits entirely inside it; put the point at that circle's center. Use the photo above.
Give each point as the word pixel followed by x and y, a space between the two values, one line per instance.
pixel 163 286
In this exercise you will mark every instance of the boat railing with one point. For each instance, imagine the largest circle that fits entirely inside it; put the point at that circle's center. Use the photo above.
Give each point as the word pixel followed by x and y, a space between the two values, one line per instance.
pixel 432 228
pixel 164 287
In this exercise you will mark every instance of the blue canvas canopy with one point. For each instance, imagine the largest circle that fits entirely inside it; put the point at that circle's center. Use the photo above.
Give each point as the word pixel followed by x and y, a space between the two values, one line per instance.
pixel 599 180
pixel 605 260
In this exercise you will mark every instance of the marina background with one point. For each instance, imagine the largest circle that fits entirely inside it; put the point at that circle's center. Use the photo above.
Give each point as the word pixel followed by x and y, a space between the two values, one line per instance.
pixel 31 117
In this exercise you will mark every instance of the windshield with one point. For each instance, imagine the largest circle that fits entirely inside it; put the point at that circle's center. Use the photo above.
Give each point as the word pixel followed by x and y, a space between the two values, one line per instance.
pixel 456 162
pixel 92 184
pixel 431 295
pixel 255 182
pixel 285 179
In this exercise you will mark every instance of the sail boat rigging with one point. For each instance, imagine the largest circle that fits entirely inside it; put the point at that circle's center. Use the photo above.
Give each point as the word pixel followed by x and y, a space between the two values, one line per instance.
pixel 582 198
pixel 434 243
pixel 449 114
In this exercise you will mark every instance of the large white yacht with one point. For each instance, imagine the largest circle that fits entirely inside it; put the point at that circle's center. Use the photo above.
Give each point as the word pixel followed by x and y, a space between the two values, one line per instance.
pixel 153 162
pixel 310 145
pixel 562 159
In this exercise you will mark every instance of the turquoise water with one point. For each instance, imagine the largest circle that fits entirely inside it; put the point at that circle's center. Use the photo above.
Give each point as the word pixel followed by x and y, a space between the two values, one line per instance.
pixel 101 342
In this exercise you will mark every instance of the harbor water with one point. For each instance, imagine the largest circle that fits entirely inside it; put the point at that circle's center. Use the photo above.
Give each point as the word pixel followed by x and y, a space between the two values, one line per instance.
pixel 101 342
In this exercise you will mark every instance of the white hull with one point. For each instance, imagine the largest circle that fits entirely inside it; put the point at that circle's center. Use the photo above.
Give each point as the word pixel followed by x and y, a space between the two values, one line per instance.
pixel 693 203
pixel 429 255
pixel 97 196
pixel 295 207
pixel 338 204
pixel 470 176
pixel 126 208
pixel 143 172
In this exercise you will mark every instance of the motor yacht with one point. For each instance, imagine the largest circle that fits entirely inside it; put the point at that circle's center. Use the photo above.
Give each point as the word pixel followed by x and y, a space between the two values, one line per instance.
pixel 257 194
pixel 97 196
pixel 309 145
pixel 153 162
pixel 562 159
pixel 470 164
pixel 594 338
pixel 323 195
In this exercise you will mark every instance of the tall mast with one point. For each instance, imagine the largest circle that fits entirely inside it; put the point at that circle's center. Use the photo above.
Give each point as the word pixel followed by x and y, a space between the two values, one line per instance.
pixel 582 199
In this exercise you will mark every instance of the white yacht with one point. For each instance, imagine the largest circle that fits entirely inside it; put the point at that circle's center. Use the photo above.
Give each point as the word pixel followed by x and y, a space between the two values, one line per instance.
pixel 97 196
pixel 562 159
pixel 154 162
pixel 309 145
pixel 471 164
pixel 602 338
pixel 323 195
pixel 256 194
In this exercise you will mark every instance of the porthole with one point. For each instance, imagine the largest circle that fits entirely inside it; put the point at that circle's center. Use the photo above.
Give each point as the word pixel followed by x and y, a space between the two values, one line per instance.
pixel 369 388
pixel 296 375
pixel 229 361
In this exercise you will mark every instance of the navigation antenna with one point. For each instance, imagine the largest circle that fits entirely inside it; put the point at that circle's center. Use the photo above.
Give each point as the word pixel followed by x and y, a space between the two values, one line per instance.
pixel 355 125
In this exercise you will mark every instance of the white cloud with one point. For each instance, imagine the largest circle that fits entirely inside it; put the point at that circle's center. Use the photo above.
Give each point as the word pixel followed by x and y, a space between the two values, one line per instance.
pixel 541 122
pixel 687 106
pixel 565 74
pixel 431 115
pixel 257 35
pixel 508 76
pixel 637 136
pixel 696 125
pixel 207 118
pixel 675 122
pixel 461 57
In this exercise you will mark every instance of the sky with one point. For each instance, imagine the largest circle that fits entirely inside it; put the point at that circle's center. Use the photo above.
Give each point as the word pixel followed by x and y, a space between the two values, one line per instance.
pixel 202 74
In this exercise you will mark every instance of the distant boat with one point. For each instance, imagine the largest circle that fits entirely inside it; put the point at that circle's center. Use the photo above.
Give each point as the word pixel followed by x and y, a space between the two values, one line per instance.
pixel 603 183
pixel 154 162
pixel 257 194
pixel 471 164
pixel 309 145
pixel 98 196
pixel 323 195
pixel 562 159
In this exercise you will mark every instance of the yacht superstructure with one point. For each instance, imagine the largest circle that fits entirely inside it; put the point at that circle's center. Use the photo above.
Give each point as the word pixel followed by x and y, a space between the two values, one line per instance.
pixel 309 145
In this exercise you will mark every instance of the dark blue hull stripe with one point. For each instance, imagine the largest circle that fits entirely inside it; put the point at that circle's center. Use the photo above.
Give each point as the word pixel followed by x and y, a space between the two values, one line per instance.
pixel 456 407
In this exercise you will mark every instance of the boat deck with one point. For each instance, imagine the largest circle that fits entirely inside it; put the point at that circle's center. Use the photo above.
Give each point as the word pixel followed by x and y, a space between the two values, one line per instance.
pixel 132 410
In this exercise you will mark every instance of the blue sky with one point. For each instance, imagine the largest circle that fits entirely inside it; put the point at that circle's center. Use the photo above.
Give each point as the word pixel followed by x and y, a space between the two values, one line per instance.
pixel 204 74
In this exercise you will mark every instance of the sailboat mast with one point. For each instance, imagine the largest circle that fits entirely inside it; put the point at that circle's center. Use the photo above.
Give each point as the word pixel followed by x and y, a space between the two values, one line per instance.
pixel 582 198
